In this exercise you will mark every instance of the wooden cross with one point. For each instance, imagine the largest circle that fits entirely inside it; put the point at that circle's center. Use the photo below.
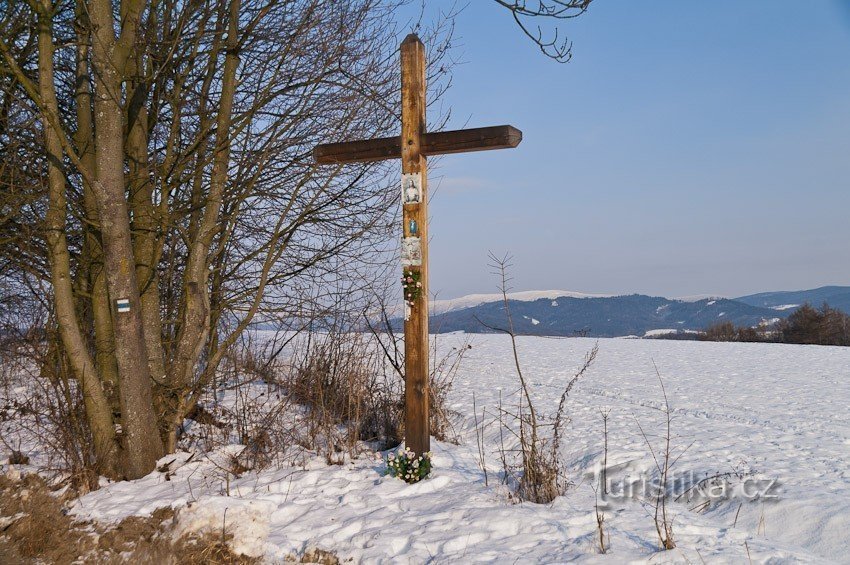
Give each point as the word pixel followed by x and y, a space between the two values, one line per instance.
pixel 413 146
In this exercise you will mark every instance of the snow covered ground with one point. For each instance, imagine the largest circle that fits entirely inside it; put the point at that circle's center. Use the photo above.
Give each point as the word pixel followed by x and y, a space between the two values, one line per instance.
pixel 772 419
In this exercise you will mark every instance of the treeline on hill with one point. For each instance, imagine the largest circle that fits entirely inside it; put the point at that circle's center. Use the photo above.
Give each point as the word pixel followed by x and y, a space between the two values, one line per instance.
pixel 808 325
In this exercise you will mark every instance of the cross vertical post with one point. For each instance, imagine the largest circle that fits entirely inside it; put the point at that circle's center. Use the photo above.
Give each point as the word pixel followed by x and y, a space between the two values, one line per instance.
pixel 413 146
pixel 415 225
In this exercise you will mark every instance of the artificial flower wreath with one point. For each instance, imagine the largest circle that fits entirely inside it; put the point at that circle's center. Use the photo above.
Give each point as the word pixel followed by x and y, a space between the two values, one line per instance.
pixel 411 283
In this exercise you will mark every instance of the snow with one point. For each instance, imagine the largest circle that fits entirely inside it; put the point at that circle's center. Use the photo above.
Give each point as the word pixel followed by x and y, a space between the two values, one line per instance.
pixel 785 307
pixel 248 520
pixel 667 331
pixel 652 333
pixel 698 297
pixel 767 411
pixel 472 300
pixel 534 321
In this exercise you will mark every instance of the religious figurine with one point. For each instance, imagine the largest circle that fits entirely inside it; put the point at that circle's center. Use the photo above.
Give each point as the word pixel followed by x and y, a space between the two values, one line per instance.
pixel 412 227
pixel 411 188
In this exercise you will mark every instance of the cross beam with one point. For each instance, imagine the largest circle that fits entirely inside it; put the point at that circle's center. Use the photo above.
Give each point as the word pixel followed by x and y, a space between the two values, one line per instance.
pixel 437 143
pixel 412 147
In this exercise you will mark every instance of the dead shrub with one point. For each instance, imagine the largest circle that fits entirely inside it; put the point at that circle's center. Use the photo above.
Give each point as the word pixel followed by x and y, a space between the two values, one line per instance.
pixel 18 458
pixel 52 413
pixel 332 375
pixel 441 375
pixel 664 460
pixel 256 412
pixel 259 421
pixel 440 382
pixel 337 377
pixel 256 360
pixel 539 477
pixel 331 392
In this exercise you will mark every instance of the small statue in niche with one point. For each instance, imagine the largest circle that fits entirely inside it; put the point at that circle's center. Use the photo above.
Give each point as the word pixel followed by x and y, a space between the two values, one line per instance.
pixel 412 228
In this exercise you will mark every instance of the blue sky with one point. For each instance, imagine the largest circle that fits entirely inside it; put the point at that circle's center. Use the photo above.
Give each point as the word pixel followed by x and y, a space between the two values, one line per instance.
pixel 688 148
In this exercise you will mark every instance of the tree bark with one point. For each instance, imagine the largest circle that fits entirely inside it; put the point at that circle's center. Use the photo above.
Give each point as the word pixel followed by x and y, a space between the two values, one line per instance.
pixel 104 337
pixel 195 324
pixel 141 437
pixel 73 342
pixel 145 217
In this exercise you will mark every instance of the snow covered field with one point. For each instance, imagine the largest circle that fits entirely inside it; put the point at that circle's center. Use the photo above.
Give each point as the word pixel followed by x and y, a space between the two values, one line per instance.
pixel 772 419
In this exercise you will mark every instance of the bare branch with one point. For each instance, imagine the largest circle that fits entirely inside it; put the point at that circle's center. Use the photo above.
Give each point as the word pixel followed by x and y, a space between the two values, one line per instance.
pixel 554 47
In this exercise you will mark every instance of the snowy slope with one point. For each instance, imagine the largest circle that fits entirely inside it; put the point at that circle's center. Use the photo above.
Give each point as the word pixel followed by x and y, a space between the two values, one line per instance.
pixel 766 411
pixel 472 300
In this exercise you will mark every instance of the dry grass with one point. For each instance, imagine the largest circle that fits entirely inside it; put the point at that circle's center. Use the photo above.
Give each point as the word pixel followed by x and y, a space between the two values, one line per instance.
pixel 34 528
pixel 319 556
pixel 337 377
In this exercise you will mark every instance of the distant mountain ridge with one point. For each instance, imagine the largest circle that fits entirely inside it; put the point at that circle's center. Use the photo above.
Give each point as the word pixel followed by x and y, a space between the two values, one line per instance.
pixel 472 300
pixel 835 296
pixel 564 313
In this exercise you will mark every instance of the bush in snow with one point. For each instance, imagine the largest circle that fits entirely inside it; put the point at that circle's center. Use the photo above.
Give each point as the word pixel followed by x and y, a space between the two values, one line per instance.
pixel 339 378
pixel 539 477
pixel 408 467
pixel 443 368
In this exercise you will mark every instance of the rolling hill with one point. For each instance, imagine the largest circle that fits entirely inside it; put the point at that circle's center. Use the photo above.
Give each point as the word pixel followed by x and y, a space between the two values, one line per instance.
pixel 835 296
pixel 610 316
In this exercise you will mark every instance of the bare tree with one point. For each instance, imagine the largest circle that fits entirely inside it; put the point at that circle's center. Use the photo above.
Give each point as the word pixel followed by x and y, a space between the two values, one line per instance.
pixel 158 184
pixel 552 45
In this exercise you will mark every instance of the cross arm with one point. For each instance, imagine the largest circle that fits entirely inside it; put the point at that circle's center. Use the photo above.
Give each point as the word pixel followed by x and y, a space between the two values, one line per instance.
pixel 377 149
pixel 436 143
pixel 474 139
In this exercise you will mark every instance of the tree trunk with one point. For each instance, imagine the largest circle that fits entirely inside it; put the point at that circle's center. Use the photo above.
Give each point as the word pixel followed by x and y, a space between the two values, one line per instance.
pixel 73 342
pixel 145 218
pixel 142 441
pixel 104 338
pixel 195 323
